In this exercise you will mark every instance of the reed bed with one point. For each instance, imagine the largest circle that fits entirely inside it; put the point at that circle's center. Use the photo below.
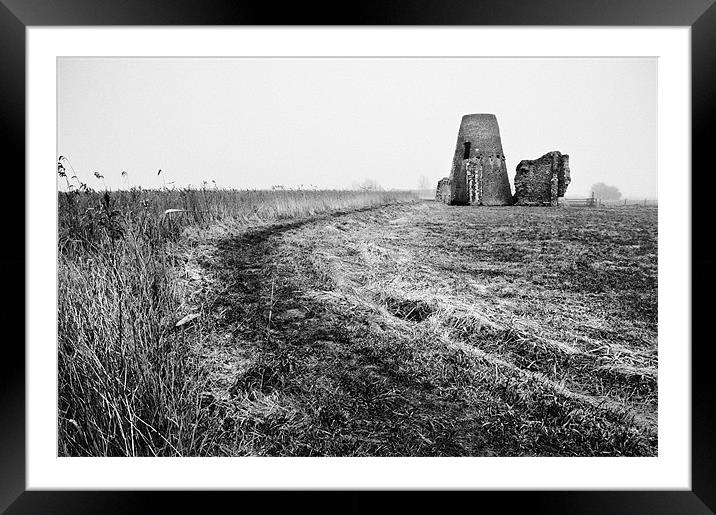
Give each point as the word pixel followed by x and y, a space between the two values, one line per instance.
pixel 128 384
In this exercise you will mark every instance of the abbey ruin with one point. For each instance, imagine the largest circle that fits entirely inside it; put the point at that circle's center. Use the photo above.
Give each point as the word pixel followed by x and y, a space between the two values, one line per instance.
pixel 479 174
pixel 543 181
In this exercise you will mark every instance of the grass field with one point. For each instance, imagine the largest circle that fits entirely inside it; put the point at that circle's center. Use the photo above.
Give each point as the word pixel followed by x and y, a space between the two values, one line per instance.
pixel 408 329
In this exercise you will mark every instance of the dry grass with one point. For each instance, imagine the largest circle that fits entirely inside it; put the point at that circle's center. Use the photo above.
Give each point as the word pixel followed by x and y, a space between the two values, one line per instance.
pixel 130 381
pixel 328 325
pixel 429 330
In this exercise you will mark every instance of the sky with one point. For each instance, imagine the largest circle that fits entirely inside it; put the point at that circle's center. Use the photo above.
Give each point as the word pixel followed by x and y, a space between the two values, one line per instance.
pixel 332 123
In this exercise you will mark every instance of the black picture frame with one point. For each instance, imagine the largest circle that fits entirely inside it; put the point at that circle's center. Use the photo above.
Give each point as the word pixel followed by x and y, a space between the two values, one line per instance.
pixel 17 15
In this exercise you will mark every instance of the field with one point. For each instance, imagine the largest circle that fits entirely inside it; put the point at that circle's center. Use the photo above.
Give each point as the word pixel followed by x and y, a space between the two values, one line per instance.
pixel 380 327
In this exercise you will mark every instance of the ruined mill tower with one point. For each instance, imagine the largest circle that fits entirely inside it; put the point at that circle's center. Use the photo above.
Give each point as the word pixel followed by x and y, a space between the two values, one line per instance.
pixel 478 174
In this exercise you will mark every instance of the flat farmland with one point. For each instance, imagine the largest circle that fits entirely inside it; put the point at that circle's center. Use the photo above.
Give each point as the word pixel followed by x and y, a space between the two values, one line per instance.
pixel 420 329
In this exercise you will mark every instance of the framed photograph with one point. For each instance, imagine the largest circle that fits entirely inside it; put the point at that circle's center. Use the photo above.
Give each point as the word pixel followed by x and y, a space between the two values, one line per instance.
pixel 422 247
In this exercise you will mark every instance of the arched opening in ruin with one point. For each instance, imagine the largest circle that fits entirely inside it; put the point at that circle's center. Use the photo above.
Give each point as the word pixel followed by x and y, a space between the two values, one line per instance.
pixel 466 151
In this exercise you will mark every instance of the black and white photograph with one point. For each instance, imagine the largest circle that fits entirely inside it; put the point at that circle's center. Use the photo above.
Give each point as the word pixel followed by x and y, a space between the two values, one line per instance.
pixel 357 257
pixel 317 257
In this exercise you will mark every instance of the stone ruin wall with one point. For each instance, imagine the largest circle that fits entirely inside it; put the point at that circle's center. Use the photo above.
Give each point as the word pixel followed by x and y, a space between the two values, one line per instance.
pixel 442 193
pixel 541 182
pixel 479 173
pixel 564 176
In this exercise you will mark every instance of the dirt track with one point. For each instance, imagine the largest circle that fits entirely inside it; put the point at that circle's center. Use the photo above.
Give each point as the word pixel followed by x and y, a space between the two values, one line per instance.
pixel 424 329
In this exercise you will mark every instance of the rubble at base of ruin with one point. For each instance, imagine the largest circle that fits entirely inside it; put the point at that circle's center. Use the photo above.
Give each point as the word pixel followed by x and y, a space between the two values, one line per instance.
pixel 543 181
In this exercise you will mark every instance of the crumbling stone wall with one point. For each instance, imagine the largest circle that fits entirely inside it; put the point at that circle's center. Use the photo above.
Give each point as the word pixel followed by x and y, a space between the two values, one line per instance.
pixel 442 194
pixel 563 176
pixel 541 182
pixel 479 174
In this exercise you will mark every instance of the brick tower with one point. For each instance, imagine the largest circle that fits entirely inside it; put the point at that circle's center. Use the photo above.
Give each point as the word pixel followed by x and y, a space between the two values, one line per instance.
pixel 478 174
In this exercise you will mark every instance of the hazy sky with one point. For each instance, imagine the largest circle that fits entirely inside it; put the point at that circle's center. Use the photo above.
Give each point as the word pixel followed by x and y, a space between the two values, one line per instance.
pixel 254 123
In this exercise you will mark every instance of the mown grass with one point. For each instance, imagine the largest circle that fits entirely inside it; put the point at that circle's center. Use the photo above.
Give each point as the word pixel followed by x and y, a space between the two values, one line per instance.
pixel 129 383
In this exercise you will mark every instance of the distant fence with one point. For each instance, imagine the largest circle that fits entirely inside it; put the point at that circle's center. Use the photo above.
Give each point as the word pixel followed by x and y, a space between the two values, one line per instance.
pixel 583 201
pixel 594 201
pixel 630 202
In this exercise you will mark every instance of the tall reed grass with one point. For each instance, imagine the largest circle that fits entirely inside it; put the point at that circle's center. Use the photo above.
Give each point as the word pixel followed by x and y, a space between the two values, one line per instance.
pixel 129 384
